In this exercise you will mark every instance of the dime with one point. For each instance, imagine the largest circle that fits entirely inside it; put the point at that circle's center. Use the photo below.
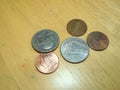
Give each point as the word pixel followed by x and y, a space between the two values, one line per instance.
pixel 46 62
pixel 97 41
pixel 45 40
pixel 74 49
pixel 76 27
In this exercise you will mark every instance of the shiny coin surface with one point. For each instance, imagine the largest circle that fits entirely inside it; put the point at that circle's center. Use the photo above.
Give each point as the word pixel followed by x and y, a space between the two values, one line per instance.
pixel 45 40
pixel 46 62
pixel 97 41
pixel 76 27
pixel 74 50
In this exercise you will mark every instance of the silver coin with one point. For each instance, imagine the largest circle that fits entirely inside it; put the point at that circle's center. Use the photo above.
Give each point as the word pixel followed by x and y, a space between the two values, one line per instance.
pixel 74 50
pixel 45 40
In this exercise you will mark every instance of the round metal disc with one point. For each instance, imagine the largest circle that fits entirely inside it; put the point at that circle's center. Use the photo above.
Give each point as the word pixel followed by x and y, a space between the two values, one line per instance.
pixel 76 27
pixel 74 50
pixel 97 41
pixel 45 40
pixel 46 62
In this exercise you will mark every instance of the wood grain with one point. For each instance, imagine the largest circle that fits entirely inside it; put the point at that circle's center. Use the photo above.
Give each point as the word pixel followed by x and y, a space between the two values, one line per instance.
pixel 20 19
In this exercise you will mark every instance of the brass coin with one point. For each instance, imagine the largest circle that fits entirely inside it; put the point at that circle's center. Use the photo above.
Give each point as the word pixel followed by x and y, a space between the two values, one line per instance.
pixel 46 62
pixel 97 41
pixel 76 27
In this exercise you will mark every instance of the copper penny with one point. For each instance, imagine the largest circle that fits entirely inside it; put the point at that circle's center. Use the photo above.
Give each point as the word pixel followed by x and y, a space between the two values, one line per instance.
pixel 46 62
pixel 97 41
pixel 76 27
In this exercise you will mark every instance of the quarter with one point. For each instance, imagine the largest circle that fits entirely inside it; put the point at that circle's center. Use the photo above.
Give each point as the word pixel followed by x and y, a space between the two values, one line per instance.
pixel 45 40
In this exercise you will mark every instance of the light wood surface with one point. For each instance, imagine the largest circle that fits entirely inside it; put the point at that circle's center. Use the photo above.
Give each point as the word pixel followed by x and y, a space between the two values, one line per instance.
pixel 20 19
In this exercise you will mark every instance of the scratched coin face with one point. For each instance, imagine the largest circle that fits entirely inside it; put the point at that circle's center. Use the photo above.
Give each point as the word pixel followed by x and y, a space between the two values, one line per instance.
pixel 74 50
pixel 76 27
pixel 46 62
pixel 45 40
pixel 97 41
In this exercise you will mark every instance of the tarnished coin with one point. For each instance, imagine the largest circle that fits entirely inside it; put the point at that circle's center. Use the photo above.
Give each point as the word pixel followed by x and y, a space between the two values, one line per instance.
pixel 46 62
pixel 76 27
pixel 97 41
pixel 74 50
pixel 45 40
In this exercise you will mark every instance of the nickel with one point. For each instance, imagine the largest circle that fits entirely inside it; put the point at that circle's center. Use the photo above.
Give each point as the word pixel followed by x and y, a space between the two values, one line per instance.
pixel 74 50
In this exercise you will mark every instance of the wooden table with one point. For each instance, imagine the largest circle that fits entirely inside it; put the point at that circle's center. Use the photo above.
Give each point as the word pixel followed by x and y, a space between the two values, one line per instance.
pixel 20 19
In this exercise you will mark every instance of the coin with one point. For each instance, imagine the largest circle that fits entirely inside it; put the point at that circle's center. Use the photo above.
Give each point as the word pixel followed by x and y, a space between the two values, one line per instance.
pixel 97 41
pixel 74 50
pixel 76 27
pixel 46 62
pixel 45 40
